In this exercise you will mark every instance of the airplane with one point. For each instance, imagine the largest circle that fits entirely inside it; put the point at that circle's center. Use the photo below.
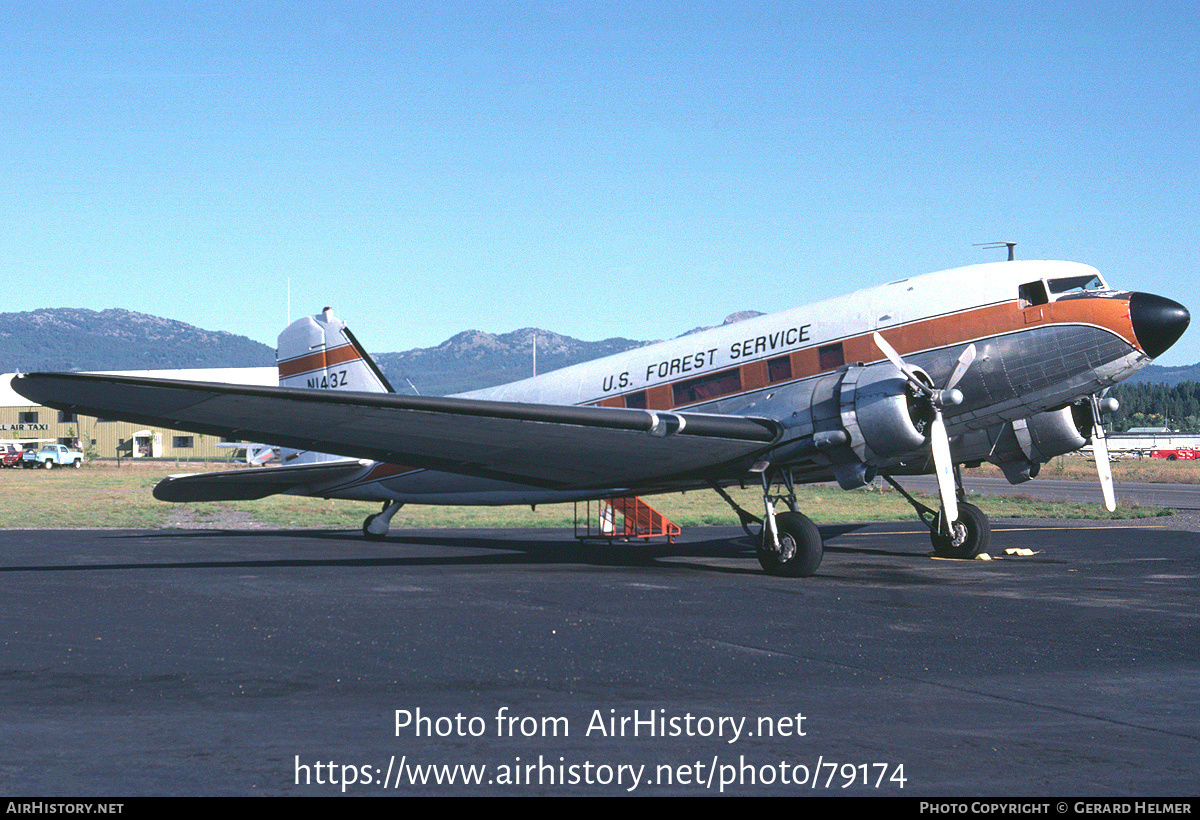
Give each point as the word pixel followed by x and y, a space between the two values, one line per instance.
pixel 1004 362
pixel 256 454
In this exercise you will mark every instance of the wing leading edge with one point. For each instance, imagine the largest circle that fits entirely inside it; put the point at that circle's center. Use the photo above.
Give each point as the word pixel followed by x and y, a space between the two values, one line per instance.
pixel 552 446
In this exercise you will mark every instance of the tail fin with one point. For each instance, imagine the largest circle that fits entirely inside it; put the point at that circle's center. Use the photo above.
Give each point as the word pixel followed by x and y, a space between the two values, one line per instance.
pixel 320 352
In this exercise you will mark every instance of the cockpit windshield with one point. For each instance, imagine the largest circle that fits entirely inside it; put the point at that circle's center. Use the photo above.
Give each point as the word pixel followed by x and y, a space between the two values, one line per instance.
pixel 1076 284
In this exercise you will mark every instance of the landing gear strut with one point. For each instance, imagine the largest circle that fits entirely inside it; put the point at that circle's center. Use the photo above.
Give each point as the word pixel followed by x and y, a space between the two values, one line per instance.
pixel 966 538
pixel 375 527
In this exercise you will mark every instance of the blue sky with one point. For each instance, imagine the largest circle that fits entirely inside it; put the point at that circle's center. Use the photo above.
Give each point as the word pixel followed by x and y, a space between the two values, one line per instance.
pixel 598 169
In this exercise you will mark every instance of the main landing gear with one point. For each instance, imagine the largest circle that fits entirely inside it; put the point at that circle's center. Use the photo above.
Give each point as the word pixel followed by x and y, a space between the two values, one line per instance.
pixel 970 534
pixel 789 543
pixel 375 527
pixel 967 534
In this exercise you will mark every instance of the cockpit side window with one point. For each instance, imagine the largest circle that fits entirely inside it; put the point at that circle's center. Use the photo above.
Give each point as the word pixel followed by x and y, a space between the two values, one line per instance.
pixel 1033 293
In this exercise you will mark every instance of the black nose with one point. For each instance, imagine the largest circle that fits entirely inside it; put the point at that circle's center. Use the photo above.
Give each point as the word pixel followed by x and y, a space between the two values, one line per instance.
pixel 1157 322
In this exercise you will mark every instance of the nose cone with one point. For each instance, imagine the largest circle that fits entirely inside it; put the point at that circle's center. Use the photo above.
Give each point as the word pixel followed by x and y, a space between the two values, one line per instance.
pixel 1157 322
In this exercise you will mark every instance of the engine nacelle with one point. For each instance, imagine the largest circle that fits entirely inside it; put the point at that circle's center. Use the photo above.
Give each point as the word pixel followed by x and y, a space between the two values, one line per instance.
pixel 869 417
pixel 884 418
pixel 1021 447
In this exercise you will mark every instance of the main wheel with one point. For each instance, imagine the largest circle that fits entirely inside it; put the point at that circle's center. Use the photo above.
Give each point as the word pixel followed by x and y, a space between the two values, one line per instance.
pixel 372 536
pixel 972 532
pixel 800 547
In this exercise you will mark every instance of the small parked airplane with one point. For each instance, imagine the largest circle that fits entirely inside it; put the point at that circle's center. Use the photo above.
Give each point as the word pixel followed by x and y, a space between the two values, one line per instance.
pixel 1004 362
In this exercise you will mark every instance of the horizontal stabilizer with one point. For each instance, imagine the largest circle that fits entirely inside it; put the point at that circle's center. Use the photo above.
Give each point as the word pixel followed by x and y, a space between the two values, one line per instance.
pixel 249 484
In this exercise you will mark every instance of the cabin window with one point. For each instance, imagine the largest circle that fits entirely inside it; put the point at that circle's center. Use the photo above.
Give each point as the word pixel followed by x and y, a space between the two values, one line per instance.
pixel 831 357
pixel 707 387
pixel 637 400
pixel 779 369
pixel 67 418
pixel 28 417
pixel 1033 293
pixel 182 442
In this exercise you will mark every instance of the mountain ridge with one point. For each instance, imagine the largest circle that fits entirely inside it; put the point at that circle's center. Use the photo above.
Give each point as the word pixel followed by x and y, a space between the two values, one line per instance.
pixel 70 339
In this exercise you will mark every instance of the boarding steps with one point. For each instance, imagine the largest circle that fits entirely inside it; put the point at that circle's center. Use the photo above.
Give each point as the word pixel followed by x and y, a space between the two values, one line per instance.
pixel 624 518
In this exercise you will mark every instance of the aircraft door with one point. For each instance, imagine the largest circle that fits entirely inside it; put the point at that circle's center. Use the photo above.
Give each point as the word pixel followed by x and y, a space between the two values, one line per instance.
pixel 1034 301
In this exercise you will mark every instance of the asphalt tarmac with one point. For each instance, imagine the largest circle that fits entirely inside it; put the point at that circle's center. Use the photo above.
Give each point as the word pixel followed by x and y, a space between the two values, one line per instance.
pixel 521 663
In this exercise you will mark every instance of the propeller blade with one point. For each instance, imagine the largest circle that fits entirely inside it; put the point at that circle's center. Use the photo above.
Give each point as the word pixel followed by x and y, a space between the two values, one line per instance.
pixel 894 358
pixel 939 440
pixel 943 466
pixel 965 360
pixel 1104 470
pixel 888 351
pixel 1103 463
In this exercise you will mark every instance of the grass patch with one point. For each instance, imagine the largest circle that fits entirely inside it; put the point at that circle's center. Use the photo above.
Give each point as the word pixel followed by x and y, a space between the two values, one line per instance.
pixel 104 496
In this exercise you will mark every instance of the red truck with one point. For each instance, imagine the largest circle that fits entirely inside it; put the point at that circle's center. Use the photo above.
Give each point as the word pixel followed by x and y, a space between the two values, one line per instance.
pixel 1178 454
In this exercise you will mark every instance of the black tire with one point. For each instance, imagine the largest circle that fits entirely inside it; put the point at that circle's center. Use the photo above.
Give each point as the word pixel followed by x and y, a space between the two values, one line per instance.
pixel 367 534
pixel 801 548
pixel 973 539
pixel 49 464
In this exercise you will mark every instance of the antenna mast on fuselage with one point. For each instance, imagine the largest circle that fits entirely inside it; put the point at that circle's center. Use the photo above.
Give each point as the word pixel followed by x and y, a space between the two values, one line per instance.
pixel 989 245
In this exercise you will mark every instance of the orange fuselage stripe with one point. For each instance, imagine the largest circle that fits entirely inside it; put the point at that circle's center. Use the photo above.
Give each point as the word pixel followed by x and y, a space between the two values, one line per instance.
pixel 974 324
pixel 320 360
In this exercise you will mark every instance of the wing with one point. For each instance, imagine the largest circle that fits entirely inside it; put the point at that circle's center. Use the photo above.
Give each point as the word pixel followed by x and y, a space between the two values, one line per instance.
pixel 552 446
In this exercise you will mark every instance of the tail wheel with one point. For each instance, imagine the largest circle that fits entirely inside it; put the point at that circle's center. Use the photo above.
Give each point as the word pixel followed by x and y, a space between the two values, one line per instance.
pixel 800 547
pixel 972 534
pixel 372 536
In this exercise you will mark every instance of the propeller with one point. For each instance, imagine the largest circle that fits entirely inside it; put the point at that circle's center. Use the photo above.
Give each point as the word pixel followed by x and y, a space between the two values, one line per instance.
pixel 1100 448
pixel 939 440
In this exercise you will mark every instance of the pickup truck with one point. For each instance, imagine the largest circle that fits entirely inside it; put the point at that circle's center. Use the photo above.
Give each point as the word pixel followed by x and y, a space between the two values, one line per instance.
pixel 52 455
